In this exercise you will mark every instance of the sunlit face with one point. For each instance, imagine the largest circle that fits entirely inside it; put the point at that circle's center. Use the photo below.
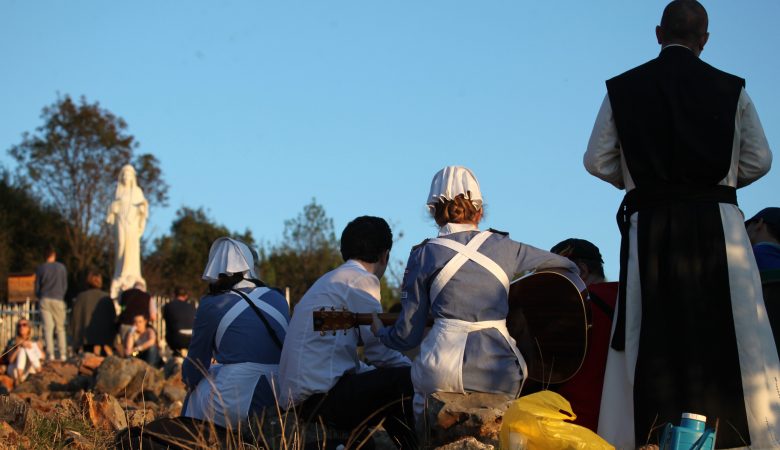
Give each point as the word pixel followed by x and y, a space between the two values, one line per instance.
pixel 140 323
pixel 23 328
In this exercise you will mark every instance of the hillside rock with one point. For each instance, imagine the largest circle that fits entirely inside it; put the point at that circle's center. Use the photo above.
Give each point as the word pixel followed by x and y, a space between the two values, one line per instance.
pixel 128 377
pixel 104 411
pixel 453 417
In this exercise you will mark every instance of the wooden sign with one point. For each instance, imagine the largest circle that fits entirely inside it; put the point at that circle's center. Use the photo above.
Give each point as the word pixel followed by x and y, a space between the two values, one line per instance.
pixel 21 287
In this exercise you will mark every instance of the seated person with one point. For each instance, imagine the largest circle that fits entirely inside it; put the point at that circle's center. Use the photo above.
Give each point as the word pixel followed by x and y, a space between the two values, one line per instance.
pixel 141 341
pixel 583 391
pixel 179 315
pixel 135 301
pixel 23 353
pixel 461 279
pixel 322 374
pixel 241 324
pixel 92 320
pixel 763 229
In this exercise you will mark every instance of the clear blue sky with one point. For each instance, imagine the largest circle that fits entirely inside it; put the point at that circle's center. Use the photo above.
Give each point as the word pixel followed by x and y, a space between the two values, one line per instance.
pixel 255 107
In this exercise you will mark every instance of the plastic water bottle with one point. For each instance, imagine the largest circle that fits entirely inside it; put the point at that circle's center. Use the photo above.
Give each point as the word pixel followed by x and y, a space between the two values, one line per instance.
pixel 691 434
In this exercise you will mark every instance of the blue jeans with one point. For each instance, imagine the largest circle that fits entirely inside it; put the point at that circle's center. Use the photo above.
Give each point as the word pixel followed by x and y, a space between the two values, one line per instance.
pixel 151 355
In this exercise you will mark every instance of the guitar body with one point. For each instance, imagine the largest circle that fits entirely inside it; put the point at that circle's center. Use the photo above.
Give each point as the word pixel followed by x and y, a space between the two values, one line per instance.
pixel 548 319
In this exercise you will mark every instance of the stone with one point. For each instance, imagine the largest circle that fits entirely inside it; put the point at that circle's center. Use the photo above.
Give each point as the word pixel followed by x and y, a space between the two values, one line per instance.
pixel 173 410
pixel 89 363
pixel 6 383
pixel 128 377
pixel 451 417
pixel 8 435
pixel 74 440
pixel 139 417
pixel 174 390
pixel 15 413
pixel 103 411
pixel 466 443
pixel 54 376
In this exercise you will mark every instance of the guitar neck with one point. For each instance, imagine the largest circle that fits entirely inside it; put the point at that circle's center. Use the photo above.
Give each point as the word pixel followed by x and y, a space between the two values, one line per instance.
pixel 366 318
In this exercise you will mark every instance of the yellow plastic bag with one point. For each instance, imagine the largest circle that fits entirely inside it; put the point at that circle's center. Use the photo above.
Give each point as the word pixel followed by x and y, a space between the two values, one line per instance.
pixel 538 419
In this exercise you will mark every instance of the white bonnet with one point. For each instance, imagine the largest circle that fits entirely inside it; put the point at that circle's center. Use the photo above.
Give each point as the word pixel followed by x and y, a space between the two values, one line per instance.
pixel 452 181
pixel 229 256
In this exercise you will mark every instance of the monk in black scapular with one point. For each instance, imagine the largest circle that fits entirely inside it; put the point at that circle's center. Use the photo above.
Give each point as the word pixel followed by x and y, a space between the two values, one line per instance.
pixel 691 332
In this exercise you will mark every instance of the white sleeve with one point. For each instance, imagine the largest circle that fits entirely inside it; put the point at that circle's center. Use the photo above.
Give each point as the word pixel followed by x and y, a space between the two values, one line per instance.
pixel 364 297
pixel 755 158
pixel 603 157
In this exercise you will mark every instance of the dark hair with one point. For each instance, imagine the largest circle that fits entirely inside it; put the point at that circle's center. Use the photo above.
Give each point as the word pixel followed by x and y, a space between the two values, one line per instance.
pixel 49 250
pixel 225 282
pixel 366 238
pixel 581 251
pixel 773 229
pixel 94 279
pixel 684 20
pixel 458 210
pixel 180 291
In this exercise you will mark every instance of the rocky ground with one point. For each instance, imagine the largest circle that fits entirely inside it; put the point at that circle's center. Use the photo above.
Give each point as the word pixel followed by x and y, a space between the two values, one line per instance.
pixel 83 403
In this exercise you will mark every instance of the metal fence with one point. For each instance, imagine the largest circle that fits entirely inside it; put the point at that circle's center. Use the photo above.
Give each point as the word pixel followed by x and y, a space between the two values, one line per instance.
pixel 10 314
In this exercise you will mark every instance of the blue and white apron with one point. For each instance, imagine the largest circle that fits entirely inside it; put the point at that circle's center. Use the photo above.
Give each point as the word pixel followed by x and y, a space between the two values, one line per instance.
pixel 224 395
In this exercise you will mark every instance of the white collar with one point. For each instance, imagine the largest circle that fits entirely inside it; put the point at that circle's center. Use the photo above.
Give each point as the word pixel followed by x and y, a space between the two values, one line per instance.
pixel 356 264
pixel 456 228
pixel 676 45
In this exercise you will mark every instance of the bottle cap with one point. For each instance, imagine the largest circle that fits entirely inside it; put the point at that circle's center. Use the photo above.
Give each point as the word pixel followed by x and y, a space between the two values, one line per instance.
pixel 693 416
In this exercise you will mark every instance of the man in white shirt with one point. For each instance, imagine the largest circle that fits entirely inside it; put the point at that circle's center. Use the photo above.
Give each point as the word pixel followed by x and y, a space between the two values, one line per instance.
pixel 322 375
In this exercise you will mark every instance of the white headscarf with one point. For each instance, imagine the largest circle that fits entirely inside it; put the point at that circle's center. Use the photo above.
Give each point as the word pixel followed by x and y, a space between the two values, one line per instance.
pixel 452 181
pixel 229 256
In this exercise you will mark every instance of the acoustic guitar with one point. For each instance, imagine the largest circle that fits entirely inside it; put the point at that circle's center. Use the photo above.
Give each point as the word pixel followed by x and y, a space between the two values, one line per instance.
pixel 547 317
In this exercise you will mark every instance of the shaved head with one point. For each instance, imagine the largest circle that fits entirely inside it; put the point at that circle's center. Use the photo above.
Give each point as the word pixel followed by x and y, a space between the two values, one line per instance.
pixel 684 20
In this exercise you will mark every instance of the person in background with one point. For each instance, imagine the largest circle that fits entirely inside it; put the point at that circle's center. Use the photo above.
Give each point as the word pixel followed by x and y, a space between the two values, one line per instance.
pixel 691 332
pixel 583 391
pixel 134 302
pixel 141 341
pixel 51 283
pixel 763 229
pixel 179 315
pixel 92 320
pixel 324 375
pixel 241 324
pixel 23 353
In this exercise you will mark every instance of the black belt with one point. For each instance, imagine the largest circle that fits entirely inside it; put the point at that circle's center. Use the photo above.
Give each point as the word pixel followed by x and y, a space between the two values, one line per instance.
pixel 647 198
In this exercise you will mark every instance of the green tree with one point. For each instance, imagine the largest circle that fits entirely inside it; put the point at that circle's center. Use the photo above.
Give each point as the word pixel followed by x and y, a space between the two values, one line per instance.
pixel 309 250
pixel 72 161
pixel 180 257
pixel 27 227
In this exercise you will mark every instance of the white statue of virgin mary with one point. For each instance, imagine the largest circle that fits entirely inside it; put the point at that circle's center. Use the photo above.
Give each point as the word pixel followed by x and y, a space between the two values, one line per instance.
pixel 127 213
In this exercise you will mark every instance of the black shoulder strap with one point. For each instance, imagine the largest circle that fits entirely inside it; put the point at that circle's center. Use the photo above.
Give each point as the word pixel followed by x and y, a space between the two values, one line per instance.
pixel 259 313
pixel 603 306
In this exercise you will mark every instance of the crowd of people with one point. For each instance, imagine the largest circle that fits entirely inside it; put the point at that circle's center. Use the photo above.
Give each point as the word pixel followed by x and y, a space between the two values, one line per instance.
pixel 687 328
pixel 96 323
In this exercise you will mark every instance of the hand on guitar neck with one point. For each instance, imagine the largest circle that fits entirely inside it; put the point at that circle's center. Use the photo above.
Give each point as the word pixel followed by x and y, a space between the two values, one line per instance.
pixel 376 324
pixel 547 317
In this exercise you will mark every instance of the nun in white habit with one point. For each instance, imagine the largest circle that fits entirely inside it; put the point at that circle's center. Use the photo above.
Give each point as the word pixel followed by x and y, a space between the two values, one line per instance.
pixel 461 279
pixel 238 310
